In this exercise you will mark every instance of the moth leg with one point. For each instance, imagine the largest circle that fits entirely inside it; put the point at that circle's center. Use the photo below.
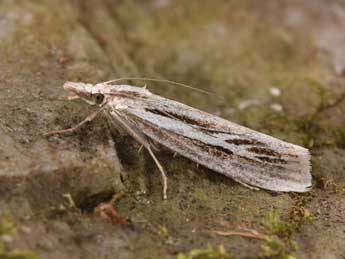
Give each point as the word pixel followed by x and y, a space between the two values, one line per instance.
pixel 76 127
pixel 147 145
pixel 161 169
pixel 141 147
pixel 154 145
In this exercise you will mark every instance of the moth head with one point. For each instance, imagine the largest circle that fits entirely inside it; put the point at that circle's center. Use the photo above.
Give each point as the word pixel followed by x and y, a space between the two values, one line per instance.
pixel 87 92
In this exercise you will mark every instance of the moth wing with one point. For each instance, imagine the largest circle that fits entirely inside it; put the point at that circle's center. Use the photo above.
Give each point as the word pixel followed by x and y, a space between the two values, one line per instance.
pixel 245 155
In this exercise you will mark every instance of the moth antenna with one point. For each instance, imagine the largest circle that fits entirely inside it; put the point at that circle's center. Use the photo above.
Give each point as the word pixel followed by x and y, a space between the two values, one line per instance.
pixel 165 81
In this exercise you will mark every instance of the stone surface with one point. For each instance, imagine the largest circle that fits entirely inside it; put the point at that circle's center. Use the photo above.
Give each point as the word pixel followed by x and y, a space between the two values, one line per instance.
pixel 237 49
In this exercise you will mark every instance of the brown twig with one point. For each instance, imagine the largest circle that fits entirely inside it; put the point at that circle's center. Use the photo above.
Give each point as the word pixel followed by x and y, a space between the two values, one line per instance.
pixel 108 213
pixel 250 233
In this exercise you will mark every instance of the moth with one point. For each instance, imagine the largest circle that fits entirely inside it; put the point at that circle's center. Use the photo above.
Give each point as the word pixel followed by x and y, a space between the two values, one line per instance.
pixel 249 157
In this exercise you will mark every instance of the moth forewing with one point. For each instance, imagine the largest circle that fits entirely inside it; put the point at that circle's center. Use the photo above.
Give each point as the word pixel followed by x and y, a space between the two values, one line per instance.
pixel 245 155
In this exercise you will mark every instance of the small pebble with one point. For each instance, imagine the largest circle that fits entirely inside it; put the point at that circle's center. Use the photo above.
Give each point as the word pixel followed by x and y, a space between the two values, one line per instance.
pixel 276 107
pixel 275 91
pixel 7 238
pixel 26 229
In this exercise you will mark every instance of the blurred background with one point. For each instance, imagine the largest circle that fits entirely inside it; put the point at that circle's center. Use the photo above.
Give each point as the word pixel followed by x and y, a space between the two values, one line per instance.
pixel 280 68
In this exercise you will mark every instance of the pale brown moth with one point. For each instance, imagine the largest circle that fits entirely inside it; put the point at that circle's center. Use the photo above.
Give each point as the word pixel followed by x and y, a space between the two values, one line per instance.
pixel 247 156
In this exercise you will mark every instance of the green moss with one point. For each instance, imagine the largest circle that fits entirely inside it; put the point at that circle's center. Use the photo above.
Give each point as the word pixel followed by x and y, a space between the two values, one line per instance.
pixel 8 228
pixel 17 254
pixel 275 226
pixel 275 248
pixel 209 253
pixel 278 243
pixel 320 89
pixel 298 216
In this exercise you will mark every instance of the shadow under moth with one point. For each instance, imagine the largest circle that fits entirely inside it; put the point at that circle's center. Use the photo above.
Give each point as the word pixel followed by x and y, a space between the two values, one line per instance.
pixel 247 156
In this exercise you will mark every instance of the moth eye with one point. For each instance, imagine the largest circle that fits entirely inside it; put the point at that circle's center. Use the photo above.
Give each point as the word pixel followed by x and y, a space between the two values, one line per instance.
pixel 98 98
